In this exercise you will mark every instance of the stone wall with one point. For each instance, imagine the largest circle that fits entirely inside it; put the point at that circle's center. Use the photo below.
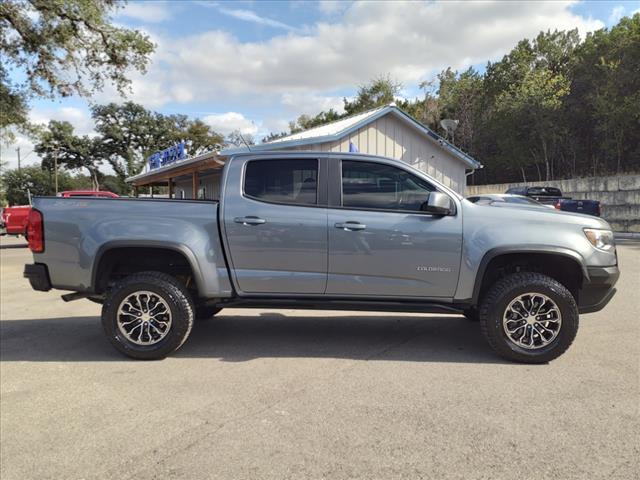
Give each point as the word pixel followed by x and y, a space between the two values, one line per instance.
pixel 619 196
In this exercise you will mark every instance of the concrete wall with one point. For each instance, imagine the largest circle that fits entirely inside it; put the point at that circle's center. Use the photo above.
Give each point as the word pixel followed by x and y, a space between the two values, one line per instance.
pixel 390 137
pixel 619 196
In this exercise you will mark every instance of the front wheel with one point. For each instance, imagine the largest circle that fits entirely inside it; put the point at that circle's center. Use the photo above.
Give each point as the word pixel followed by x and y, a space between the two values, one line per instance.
pixel 529 317
pixel 148 315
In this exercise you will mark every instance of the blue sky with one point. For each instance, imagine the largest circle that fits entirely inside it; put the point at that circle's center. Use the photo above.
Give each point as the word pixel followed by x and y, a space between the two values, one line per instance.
pixel 255 65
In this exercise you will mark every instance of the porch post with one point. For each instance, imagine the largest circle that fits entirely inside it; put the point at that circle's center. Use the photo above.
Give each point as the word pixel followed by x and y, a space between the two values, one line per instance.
pixel 194 185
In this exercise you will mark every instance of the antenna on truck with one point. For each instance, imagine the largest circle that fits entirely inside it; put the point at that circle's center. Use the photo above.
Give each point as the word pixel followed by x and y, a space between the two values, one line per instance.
pixel 244 141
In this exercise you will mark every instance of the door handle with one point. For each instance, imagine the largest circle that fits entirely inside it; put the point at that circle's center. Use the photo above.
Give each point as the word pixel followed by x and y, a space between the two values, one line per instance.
pixel 350 226
pixel 251 220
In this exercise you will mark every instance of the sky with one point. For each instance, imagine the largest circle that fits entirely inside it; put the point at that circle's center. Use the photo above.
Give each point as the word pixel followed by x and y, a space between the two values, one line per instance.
pixel 254 65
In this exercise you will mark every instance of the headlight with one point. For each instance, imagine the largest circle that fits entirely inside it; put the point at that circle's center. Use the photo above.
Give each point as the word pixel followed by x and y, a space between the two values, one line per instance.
pixel 601 239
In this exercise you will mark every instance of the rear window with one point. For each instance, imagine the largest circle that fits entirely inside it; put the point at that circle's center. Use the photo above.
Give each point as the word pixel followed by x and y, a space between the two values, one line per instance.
pixel 282 181
pixel 544 191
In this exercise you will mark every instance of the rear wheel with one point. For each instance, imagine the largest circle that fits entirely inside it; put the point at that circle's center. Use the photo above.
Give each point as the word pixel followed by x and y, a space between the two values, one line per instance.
pixel 529 317
pixel 148 315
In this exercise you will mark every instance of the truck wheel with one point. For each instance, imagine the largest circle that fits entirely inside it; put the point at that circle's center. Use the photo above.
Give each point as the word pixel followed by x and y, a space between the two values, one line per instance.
pixel 148 315
pixel 529 317
pixel 205 312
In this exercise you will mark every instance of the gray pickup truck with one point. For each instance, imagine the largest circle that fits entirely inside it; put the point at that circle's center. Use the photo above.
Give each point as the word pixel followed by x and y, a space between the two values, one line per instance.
pixel 324 231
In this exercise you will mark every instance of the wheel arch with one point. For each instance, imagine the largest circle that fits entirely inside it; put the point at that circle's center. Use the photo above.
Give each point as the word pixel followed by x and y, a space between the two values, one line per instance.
pixel 112 247
pixel 499 255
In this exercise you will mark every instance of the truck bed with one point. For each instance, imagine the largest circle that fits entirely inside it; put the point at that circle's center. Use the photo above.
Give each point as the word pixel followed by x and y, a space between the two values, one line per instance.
pixel 78 231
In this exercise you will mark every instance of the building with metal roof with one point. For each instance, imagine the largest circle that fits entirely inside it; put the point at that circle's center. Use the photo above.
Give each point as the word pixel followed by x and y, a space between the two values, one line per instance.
pixel 386 131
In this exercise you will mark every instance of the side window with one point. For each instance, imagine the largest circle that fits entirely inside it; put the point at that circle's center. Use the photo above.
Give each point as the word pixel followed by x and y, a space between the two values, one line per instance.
pixel 383 187
pixel 283 181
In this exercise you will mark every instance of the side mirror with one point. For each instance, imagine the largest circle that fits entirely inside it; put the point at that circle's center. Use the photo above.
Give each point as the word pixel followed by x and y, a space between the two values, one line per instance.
pixel 437 204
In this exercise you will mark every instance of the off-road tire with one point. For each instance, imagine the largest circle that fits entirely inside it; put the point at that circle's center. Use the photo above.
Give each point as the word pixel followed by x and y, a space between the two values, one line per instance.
pixel 205 312
pixel 172 292
pixel 508 288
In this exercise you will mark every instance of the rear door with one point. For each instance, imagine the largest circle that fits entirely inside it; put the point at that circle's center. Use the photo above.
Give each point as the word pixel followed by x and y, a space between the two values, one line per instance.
pixel 380 243
pixel 275 222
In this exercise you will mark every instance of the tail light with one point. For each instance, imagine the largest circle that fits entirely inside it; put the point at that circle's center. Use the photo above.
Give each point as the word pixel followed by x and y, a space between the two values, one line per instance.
pixel 558 206
pixel 35 231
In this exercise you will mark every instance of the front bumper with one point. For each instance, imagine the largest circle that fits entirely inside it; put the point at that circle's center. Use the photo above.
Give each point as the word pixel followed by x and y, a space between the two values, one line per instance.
pixel 38 276
pixel 599 290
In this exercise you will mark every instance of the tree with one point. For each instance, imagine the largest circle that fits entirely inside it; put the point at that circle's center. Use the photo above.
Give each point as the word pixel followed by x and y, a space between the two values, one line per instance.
pixel 238 139
pixel 129 133
pixel 58 143
pixel 62 48
pixel 35 181
pixel 199 137
pixel 379 92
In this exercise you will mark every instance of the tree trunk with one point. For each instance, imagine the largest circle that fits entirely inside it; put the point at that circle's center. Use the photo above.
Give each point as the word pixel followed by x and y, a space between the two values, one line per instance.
pixel 524 177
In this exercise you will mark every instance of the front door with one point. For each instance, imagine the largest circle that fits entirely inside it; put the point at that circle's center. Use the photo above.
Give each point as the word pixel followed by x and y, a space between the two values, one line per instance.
pixel 381 244
pixel 276 226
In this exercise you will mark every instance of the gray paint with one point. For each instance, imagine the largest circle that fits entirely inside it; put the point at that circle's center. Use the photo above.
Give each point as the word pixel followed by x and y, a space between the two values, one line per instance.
pixel 78 230
pixel 299 252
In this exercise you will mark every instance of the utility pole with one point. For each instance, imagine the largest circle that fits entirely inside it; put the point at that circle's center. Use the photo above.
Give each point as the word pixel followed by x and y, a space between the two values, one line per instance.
pixel 55 169
pixel 18 152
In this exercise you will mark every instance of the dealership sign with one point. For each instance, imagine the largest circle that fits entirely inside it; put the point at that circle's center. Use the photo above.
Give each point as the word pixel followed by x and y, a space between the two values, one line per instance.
pixel 167 156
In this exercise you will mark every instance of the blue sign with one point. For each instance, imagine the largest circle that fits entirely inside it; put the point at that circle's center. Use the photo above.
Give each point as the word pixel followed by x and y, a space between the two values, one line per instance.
pixel 168 155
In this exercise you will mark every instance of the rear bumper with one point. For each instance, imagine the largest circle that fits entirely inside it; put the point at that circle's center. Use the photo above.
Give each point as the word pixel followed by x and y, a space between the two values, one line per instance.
pixel 38 276
pixel 599 290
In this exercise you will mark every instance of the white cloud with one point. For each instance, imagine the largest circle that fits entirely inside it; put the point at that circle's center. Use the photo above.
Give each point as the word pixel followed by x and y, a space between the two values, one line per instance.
pixel 225 123
pixel 149 12
pixel 79 118
pixel 310 103
pixel 616 14
pixel 408 40
pixel 9 154
pixel 331 7
pixel 253 17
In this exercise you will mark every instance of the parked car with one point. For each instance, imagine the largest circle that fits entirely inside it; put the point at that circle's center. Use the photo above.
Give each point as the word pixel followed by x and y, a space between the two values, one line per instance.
pixel 87 193
pixel 324 231
pixel 15 218
pixel 505 199
pixel 553 196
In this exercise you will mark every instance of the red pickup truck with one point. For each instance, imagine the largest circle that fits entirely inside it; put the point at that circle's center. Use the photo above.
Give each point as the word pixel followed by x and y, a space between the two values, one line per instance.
pixel 14 219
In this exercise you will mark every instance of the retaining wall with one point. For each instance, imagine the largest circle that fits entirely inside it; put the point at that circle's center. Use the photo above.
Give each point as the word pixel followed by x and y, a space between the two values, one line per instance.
pixel 619 196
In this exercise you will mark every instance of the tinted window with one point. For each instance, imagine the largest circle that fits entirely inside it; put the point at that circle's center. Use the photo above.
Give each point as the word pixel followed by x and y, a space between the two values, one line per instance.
pixel 379 186
pixel 544 191
pixel 284 181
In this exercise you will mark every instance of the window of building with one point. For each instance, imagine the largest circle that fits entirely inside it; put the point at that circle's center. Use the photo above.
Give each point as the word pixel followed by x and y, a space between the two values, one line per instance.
pixel 382 187
pixel 282 181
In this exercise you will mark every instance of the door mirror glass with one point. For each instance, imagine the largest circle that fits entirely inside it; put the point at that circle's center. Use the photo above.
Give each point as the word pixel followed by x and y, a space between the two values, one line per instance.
pixel 438 204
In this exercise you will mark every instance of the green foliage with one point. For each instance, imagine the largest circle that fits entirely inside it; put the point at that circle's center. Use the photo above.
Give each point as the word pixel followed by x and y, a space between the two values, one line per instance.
pixel 37 181
pixel 553 107
pixel 126 135
pixel 59 143
pixel 64 47
pixel 379 92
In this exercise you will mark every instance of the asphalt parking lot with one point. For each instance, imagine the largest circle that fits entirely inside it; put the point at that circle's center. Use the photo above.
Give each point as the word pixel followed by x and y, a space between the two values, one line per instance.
pixel 297 394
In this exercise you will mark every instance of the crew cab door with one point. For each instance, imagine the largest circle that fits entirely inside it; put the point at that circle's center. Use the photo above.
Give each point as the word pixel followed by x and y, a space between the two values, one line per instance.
pixel 275 224
pixel 380 242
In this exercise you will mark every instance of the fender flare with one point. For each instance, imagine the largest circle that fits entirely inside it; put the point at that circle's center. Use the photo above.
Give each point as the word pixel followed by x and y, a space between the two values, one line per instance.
pixel 176 247
pixel 511 249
